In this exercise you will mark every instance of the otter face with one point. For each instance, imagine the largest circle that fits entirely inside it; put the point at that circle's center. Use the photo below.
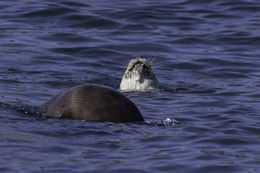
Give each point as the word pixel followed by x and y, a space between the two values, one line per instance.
pixel 139 76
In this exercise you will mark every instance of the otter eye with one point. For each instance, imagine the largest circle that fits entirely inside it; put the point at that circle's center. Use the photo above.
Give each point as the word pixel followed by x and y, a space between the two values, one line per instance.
pixel 148 68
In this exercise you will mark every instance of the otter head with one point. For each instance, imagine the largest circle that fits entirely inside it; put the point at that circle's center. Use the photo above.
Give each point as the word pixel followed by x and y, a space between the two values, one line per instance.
pixel 139 76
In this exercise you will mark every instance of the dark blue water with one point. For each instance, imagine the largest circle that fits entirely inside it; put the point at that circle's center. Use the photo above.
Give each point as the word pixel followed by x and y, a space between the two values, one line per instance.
pixel 208 53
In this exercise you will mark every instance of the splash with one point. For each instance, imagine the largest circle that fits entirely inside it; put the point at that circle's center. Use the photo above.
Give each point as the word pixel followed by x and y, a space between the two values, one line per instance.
pixel 165 122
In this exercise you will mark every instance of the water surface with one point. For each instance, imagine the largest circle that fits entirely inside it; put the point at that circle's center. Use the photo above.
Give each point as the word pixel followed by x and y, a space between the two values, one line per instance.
pixel 208 54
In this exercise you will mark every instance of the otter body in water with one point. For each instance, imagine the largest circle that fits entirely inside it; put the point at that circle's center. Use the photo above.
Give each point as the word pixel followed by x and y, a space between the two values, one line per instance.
pixel 98 103
pixel 92 103
pixel 139 76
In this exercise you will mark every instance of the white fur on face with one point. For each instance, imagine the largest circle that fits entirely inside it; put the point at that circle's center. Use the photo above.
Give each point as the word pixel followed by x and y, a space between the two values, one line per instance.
pixel 138 76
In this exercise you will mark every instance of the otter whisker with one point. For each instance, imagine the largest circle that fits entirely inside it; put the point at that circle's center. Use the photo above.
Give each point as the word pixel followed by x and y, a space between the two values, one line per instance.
pixel 152 60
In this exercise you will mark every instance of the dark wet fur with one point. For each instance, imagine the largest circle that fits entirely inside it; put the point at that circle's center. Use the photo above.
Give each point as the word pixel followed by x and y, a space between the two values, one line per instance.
pixel 92 103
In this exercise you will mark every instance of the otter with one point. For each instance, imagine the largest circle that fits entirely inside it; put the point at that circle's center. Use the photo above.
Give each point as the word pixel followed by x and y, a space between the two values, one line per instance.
pixel 139 76
pixel 92 103
pixel 101 103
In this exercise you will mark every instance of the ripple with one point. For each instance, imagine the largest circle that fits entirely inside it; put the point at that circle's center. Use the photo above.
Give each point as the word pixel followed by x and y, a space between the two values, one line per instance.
pixel 48 12
pixel 208 71
pixel 68 37
pixel 75 4
pixel 93 22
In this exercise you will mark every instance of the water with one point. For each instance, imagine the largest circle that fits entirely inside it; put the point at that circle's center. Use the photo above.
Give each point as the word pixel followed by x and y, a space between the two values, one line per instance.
pixel 208 69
